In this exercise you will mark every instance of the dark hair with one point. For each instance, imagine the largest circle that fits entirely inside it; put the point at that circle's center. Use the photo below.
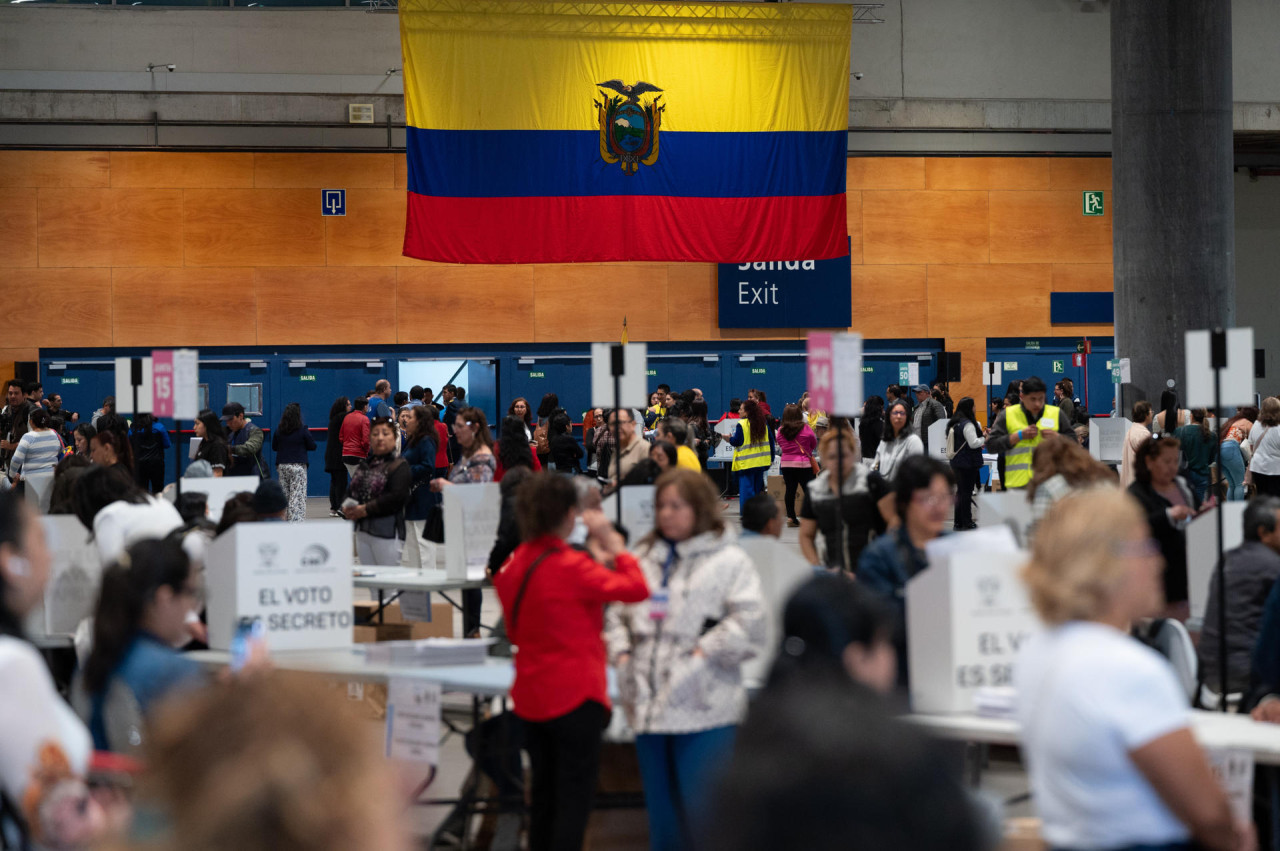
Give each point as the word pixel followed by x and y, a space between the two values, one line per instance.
pixel 528 410
pixel 13 382
pixel 823 767
pixel 1151 448
pixel 873 409
pixel 688 397
pixel 338 409
pixel 400 399
pixel 237 509
pixel 1260 512
pixel 663 388
pixel 416 392
pixel 213 427
pixel 542 503
pixel 15 517
pixel 101 486
pixel 760 396
pixel 291 419
pixel 964 414
pixel 39 418
pixel 677 428
pixel 1034 384
pixel 758 511
pixel 734 404
pixel 668 449
pixel 1141 410
pixel 1200 417
pixel 1248 412
pixel 823 617
pixel 85 430
pixel 423 417
pixel 698 411
pixel 360 403
pixel 65 478
pixel 460 393
pixel 513 445
pixel 755 420
pixel 889 435
pixel 475 415
pixel 792 421
pixel 548 405
pixel 127 587
pixel 192 505
pixel 917 474
pixel 31 387
pixel 118 442
pixel 559 424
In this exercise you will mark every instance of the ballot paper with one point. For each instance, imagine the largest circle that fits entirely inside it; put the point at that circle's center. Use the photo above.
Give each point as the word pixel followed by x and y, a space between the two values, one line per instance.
pixel 413 720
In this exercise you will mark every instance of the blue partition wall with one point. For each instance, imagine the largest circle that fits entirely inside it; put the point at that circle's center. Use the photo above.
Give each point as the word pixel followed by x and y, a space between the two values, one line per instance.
pixel 314 377
pixel 1041 356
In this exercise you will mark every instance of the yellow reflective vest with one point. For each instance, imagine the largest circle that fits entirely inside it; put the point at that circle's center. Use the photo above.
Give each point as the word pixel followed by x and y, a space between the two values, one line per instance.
pixel 751 455
pixel 1017 459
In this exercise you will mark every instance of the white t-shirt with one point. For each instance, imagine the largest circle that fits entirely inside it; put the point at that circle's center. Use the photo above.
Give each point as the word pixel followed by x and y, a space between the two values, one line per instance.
pixel 1265 441
pixel 890 455
pixel 33 715
pixel 121 524
pixel 1088 695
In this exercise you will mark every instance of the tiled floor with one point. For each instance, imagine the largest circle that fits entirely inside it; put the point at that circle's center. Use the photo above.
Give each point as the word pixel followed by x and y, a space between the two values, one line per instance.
pixel 625 830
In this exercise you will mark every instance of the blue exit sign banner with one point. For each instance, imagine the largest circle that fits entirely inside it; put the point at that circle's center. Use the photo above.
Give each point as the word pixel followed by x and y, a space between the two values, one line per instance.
pixel 791 294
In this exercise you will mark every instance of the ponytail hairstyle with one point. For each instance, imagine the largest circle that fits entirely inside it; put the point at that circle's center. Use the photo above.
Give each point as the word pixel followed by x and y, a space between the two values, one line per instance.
pixel 823 617
pixel 39 418
pixel 128 586
pixel 14 520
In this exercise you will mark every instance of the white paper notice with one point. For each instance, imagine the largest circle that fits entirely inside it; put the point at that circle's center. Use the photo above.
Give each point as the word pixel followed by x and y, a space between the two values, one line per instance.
pixel 413 720
pixel 1234 770
pixel 913 373
pixel 415 606
pixel 470 527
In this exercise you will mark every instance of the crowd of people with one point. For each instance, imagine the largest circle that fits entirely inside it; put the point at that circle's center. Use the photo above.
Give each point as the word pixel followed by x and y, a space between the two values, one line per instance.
pixel 732 652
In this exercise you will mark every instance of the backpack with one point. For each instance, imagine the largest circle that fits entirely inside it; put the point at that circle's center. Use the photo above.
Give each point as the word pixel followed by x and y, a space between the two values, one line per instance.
pixel 540 439
pixel 952 448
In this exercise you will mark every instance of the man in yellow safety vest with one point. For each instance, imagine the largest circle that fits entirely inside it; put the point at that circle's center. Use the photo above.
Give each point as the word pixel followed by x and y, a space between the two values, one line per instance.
pixel 1020 428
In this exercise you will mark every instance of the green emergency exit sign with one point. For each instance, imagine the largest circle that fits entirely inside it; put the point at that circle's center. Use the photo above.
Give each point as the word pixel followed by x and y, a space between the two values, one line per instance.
pixel 758 370
pixel 651 372
pixel 537 375
pixel 1093 203
pixel 71 381
pixel 1058 366
pixel 306 378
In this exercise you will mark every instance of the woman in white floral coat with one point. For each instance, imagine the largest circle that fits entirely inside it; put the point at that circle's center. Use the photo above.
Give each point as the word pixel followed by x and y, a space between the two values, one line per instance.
pixel 679 654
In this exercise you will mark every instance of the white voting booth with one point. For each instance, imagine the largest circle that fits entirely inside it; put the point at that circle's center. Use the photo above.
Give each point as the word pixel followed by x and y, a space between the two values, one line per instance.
pixel 1005 508
pixel 471 515
pixel 1106 438
pixel 637 510
pixel 1202 551
pixel 74 578
pixel 938 439
pixel 219 490
pixel 295 577
pixel 967 616
pixel 39 490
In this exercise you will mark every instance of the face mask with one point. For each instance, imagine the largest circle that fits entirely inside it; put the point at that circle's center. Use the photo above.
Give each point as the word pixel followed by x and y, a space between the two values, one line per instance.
pixel 578 537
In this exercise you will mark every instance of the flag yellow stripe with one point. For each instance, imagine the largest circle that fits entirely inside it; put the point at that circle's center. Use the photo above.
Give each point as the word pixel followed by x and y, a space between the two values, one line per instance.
pixel 493 65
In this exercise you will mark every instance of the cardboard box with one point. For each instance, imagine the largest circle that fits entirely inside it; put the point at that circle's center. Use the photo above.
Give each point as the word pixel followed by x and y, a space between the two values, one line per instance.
pixel 393 626
pixel 776 487
pixel 371 697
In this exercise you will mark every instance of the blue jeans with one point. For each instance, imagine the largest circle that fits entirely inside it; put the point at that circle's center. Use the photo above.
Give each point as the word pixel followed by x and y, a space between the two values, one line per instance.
pixel 1199 484
pixel 1232 463
pixel 679 773
pixel 750 483
pixel 1172 846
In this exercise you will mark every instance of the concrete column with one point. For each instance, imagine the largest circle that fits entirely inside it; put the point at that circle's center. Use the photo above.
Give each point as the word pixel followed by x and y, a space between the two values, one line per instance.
pixel 1173 211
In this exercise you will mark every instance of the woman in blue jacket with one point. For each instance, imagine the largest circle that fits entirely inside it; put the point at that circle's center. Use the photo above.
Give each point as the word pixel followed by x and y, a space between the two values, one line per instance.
pixel 420 454
pixel 292 442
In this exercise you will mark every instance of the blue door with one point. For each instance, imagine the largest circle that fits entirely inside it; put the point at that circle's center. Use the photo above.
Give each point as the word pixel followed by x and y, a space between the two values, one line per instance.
pixel 782 378
pixel 567 377
pixel 83 386
pixel 315 386
pixel 686 372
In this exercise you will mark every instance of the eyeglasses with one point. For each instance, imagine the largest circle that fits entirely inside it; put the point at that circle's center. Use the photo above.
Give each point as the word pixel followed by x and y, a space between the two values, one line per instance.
pixel 932 500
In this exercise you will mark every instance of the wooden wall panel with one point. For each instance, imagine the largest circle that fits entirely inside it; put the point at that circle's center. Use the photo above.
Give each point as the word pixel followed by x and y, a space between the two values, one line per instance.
pixel 691 301
pixel 183 307
pixel 18 228
pixel 57 307
pixel 254 227
pixel 9 359
pixel 372 231
pixel 853 219
pixel 315 307
pixel 1081 173
pixel 324 171
pixel 1047 227
pixel 973 351
pixel 45 169
pixel 110 227
pixel 400 166
pixel 885 173
pixel 1083 277
pixel 924 227
pixel 986 173
pixel 890 301
pixel 582 303
pixel 182 170
pixel 439 303
pixel 1001 300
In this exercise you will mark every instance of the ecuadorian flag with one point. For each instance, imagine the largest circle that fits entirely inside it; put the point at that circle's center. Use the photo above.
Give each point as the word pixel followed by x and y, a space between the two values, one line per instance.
pixel 545 132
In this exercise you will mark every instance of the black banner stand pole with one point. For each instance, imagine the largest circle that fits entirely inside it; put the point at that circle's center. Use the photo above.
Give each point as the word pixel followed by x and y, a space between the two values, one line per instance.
pixel 1218 360
pixel 618 364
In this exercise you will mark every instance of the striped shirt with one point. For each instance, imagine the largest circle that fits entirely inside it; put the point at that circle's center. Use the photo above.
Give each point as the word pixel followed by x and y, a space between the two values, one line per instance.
pixel 37 452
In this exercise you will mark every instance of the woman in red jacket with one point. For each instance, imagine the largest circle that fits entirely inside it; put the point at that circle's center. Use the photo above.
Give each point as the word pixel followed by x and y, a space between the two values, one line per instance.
pixel 553 598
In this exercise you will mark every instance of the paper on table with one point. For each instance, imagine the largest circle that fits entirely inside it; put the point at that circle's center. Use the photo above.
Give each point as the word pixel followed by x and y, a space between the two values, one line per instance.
pixel 1234 770
pixel 415 605
pixel 413 720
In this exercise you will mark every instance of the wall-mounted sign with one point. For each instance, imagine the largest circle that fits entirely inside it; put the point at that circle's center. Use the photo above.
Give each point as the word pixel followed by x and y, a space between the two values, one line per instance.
pixel 537 375
pixel 1093 205
pixel 71 381
pixel 306 378
pixel 789 294
pixel 1033 344
pixel 758 370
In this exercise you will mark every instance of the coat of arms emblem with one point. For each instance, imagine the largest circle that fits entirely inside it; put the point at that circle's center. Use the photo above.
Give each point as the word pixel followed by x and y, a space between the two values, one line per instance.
pixel 628 127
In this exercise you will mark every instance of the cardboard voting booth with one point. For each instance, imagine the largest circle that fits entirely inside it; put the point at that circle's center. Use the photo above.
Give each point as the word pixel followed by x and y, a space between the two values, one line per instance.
pixel 1106 438
pixel 967 616
pixel 1005 508
pixel 470 527
pixel 938 440
pixel 39 490
pixel 296 577
pixel 637 510
pixel 1202 551
pixel 219 490
pixel 74 578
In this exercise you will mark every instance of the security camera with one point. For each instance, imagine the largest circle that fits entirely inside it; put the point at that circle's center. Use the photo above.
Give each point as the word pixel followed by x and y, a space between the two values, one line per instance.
pixel 154 67
pixel 171 68
pixel 857 75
